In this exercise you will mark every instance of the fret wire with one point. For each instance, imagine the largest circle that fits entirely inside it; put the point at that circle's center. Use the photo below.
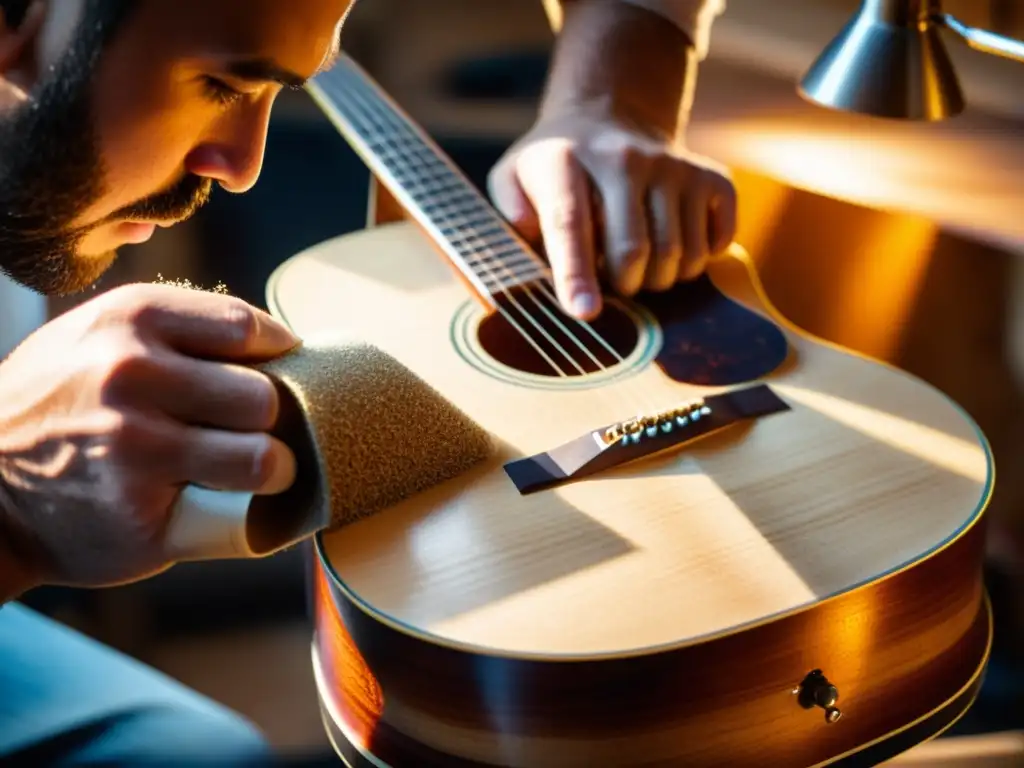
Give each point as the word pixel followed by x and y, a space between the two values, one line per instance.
pixel 500 246
pixel 438 185
pixel 499 251
pixel 408 144
pixel 516 268
pixel 345 125
pixel 362 122
pixel 513 265
pixel 483 258
pixel 403 150
pixel 411 152
pixel 523 269
pixel 571 359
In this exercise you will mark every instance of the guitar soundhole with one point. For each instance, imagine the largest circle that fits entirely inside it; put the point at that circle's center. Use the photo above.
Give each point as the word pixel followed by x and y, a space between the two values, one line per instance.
pixel 529 333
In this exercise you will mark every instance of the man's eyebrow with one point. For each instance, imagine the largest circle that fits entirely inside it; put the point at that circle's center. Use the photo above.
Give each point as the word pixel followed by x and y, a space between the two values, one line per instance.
pixel 264 71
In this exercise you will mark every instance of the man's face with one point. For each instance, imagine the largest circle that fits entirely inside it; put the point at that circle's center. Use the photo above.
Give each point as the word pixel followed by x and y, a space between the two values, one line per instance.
pixel 115 139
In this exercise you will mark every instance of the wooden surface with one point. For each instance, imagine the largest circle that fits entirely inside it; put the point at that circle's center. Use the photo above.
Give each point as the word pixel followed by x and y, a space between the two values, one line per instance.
pixel 964 175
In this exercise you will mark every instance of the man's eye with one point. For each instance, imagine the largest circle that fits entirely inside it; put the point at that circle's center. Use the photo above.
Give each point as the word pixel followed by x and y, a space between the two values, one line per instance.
pixel 219 91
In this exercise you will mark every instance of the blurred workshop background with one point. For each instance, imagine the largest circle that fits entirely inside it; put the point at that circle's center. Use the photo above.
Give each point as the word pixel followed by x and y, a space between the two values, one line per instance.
pixel 901 240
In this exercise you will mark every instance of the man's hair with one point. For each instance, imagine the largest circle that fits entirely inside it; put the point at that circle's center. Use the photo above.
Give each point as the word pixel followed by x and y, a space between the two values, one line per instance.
pixel 109 14
pixel 14 11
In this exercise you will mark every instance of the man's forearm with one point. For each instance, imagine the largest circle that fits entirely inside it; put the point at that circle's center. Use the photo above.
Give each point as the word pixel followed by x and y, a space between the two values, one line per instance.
pixel 614 55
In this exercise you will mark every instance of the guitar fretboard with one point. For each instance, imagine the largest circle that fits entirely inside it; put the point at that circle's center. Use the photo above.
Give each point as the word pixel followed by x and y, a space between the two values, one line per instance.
pixel 425 181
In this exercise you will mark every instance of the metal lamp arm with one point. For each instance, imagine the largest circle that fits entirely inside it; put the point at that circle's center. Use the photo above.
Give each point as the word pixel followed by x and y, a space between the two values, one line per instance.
pixel 983 40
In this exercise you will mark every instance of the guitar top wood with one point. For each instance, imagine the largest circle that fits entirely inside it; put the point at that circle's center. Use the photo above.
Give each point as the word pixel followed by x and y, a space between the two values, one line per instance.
pixel 869 472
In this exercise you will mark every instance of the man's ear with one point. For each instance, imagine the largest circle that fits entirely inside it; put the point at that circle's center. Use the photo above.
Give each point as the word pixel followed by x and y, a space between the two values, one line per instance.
pixel 17 36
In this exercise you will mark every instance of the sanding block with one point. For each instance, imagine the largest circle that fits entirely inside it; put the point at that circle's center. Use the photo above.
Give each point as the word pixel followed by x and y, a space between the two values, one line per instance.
pixel 367 433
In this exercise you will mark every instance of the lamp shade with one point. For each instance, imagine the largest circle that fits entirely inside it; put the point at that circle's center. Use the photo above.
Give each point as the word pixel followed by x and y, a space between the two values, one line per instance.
pixel 888 61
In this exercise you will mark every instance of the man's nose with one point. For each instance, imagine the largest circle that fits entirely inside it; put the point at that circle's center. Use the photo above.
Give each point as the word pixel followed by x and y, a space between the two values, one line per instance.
pixel 233 155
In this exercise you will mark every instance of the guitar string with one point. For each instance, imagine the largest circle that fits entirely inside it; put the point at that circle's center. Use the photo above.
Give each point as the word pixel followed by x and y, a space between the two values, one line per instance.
pixel 459 221
pixel 367 117
pixel 357 115
pixel 467 232
pixel 482 250
pixel 532 259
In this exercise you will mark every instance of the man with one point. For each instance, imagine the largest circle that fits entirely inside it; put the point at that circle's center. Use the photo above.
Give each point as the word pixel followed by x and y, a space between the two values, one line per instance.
pixel 118 116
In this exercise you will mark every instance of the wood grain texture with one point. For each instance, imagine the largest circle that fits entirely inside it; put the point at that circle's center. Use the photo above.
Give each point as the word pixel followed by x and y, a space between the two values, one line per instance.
pixel 748 524
pixel 727 702
pixel 655 615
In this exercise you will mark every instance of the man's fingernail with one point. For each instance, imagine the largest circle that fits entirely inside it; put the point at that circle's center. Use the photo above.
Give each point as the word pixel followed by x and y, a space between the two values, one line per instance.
pixel 282 471
pixel 276 333
pixel 584 304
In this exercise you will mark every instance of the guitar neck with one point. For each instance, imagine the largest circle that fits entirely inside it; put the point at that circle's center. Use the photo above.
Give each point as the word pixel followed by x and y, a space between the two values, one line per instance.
pixel 425 181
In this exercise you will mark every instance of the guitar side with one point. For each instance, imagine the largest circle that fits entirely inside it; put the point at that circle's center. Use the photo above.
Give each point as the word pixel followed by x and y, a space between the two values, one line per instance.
pixel 903 637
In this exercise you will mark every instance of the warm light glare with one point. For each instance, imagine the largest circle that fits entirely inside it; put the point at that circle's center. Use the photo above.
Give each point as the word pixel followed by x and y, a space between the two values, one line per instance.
pixel 883 164
pixel 939 449
pixel 734 570
pixel 879 290
pixel 854 167
pixel 762 203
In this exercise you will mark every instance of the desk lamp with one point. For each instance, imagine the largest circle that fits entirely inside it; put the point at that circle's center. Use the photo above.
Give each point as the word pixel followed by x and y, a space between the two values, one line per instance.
pixel 889 61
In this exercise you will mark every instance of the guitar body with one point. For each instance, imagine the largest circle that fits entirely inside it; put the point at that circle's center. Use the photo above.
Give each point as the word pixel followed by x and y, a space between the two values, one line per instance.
pixel 704 538
pixel 668 611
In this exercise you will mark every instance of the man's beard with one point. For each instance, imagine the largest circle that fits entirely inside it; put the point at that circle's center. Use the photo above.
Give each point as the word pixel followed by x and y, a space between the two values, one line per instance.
pixel 51 170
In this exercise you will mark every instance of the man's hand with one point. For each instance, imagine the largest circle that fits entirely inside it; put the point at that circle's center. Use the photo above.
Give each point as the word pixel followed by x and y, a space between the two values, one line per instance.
pixel 586 183
pixel 603 180
pixel 106 412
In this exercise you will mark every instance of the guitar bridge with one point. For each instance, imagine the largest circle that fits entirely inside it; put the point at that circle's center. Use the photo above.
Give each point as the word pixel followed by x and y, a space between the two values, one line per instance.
pixel 653 425
pixel 634 438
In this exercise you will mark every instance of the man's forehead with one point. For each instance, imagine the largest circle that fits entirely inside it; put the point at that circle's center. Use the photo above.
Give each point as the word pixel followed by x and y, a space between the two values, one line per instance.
pixel 292 39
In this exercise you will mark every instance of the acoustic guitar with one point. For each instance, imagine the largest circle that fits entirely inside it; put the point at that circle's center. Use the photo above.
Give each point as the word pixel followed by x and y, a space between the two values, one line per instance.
pixel 705 538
